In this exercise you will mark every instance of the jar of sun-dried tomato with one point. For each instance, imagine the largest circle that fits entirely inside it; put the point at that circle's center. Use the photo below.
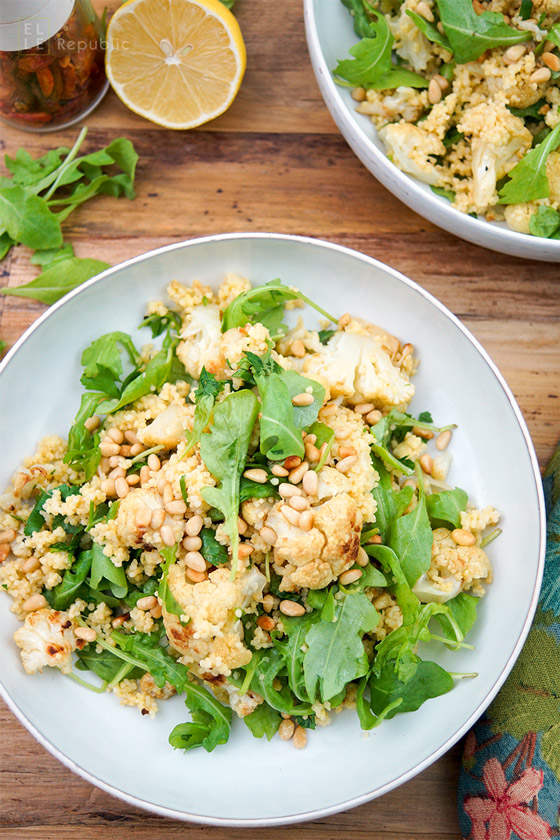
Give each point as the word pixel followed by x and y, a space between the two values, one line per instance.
pixel 51 62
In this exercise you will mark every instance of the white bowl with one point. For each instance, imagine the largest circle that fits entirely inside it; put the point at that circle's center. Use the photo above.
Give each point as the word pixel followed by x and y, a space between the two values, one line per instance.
pixel 330 34
pixel 251 782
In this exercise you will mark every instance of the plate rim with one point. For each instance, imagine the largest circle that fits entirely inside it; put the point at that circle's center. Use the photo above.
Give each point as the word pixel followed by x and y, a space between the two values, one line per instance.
pixel 420 766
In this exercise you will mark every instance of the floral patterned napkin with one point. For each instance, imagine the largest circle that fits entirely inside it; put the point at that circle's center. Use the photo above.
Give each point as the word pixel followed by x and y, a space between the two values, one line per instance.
pixel 509 788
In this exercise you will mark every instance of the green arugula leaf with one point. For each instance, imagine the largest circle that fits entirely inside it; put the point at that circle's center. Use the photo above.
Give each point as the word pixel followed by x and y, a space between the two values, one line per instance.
pixel 326 335
pixel 3 346
pixel 531 112
pixel 72 583
pixel 224 451
pixel 545 222
pixel 411 539
pixel 528 180
pixel 430 30
pixel 250 306
pixel 362 23
pixel 169 554
pixel 83 446
pixel 105 665
pixel 208 389
pixel 269 664
pixel 429 680
pixel 213 552
pixel 291 647
pixel 526 9
pixel 58 280
pixel 463 609
pixel 103 569
pixel 36 520
pixel 47 257
pixel 144 651
pixel 444 509
pixel 159 324
pixel 448 194
pixel 210 721
pixel 263 721
pixel 27 219
pixel 397 582
pixel 390 503
pixel 470 34
pixel 253 490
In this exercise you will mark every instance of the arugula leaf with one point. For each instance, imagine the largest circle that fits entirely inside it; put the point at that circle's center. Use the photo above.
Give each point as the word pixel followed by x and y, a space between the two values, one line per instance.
pixel 371 66
pixel 528 180
pixel 326 335
pixel 213 552
pixel 531 112
pixel 526 9
pixel 470 34
pixel 224 451
pixel 46 257
pixel 429 680
pixel 104 664
pixel 27 219
pixel 268 665
pixel 145 651
pixel 250 306
pixel 58 280
pixel 36 520
pixel 158 324
pixel 263 721
pixel 397 582
pixel 70 587
pixel 411 539
pixel 169 554
pixel 392 424
pixel 253 490
pixel 208 389
pixel 291 647
pixel 545 222
pixel 390 503
pixel 3 346
pixel 362 23
pixel 83 446
pixel 444 509
pixel 210 721
pixel 430 30
pixel 448 194
pixel 103 569
pixel 463 609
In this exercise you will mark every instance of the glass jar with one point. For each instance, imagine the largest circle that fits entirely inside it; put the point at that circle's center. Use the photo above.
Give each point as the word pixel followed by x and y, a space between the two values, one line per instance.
pixel 52 62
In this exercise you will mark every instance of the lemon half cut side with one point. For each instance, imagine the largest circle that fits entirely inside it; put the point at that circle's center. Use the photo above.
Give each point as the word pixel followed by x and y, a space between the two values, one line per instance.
pixel 178 63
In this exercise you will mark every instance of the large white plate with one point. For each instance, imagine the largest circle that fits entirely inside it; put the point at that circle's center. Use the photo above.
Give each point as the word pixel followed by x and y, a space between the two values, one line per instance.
pixel 251 782
pixel 330 34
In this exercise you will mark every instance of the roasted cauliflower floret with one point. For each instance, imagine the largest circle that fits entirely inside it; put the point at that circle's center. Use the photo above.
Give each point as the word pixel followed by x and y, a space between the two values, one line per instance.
pixel 518 216
pixel 410 148
pixel 168 428
pixel 130 522
pixel 549 7
pixel 315 558
pixel 46 638
pixel 213 636
pixel 200 345
pixel 454 568
pixel 411 45
pixel 404 102
pixel 498 141
pixel 512 81
pixel 233 286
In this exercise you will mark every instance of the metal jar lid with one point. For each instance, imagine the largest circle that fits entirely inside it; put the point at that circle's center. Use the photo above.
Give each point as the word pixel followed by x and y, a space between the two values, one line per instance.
pixel 25 24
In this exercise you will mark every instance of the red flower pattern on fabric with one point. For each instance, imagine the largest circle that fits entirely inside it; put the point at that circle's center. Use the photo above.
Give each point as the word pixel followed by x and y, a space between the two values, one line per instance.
pixel 505 809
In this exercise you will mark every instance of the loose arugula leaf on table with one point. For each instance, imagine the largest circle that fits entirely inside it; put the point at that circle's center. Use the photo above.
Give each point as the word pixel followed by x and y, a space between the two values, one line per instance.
pixel 372 66
pixel 58 280
pixel 545 222
pixel 224 451
pixel 264 302
pixel 47 257
pixel 208 389
pixel 470 34
pixel 444 509
pixel 209 725
pixel 411 539
pixel 3 346
pixel 528 181
pixel 264 721
pixel 103 569
pixel 430 30
pixel 213 552
pixel 26 219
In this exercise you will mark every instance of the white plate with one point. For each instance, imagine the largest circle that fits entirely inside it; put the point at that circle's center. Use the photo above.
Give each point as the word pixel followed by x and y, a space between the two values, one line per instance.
pixel 251 782
pixel 330 34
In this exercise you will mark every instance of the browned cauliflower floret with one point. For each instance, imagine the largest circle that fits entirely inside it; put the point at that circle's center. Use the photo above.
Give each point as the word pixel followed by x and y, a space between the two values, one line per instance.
pixel 46 638
pixel 410 148
pixel 168 429
pixel 148 686
pixel 315 558
pixel 454 568
pixel 512 81
pixel 213 636
pixel 130 522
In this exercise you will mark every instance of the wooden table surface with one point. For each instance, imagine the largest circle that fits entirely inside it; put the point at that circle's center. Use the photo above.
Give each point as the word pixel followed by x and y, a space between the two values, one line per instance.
pixel 276 162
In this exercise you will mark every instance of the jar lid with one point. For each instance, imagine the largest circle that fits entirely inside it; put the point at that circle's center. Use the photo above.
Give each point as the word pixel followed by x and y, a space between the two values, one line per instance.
pixel 25 24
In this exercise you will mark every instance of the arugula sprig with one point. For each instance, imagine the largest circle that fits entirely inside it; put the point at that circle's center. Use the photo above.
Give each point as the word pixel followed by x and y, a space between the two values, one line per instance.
pixel 209 725
pixel 470 35
pixel 528 181
pixel 393 423
pixel 208 389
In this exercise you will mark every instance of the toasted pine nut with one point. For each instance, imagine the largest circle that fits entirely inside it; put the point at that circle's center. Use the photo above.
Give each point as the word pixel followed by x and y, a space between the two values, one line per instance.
pixel 303 399
pixel 299 739
pixel 107 448
pixel 4 552
pixel 153 462
pixel 104 466
pixel 136 449
pixel 351 576
pixel 92 423
pixel 165 489
pixel 311 438
pixel 268 602
pixel 241 525
pixel 279 471
pixel 116 435
pixel 543 74
pixel 290 515
pixel 291 608
pixel 443 83
pixel 35 602
pixel 133 479
pixel 426 463
pixel 167 534
pixel 373 417
pixel 88 634
pixel 362 559
pixel 329 409
pixel 344 320
pixel 260 476
pixel 118 472
pixel 196 577
pixel 108 487
pixel 297 348
pixel 513 54
pixel 115 462
pixel 269 535
pixel 31 565
pixel 462 537
pixel 311 452
pixel 192 543
pixel 126 451
pixel 7 536
pixel 131 436
pixel 358 94
pixel 194 525
pixel 297 474
pixel 345 451
pixel 176 507
pixel 156 612
pixel 292 461
pixel 266 622
pixel 196 561
pixel 119 620
pixel 121 486
pixel 306 520
pixel 346 464
pixel 310 482
pixel 425 434
pixel 478 7
pixel 146 603
pixel 144 474
pixel 375 540
pixel 341 433
pixel 245 549
pixel 423 9
pixel 298 503
pixel 434 92
pixel 286 729
pixel 158 518
pixel 143 517
pixel 287 490
pixel 363 408
pixel 442 440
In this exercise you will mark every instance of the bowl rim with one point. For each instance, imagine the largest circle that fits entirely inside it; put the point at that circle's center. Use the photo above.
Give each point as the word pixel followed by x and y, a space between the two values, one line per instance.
pixel 420 766
pixel 404 186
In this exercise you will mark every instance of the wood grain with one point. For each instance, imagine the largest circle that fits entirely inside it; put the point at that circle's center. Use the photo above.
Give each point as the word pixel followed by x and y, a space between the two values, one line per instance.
pixel 275 161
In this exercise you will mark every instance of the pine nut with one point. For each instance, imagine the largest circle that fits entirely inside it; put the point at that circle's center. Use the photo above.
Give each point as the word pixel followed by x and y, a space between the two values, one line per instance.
pixel 136 449
pixel 425 434
pixel 290 515
pixel 329 409
pixel 346 451
pixel 107 448
pixel 118 472
pixel 131 436
pixel 443 83
pixel 146 603
pixel 541 75
pixel 297 348
pixel 363 408
pixel 35 602
pixel 268 602
pixel 168 494
pixel 362 559
pixel 358 94
pixel 306 520
pixel 288 490
pixel 196 577
pixel 161 484
pixel 341 433
pixel 442 440
pixel 291 608
pixel 158 518
pixel 4 552
pixel 116 435
pixel 311 452
pixel 297 474
pixel 292 461
pixel 346 464
pixel 133 479
pixel 373 417
pixel 426 463
pixel 121 486
pixel 310 482
pixel 115 461
pixel 423 9
pixel 260 476
pixel 167 534
pixel 303 399
pixel 104 465
pixel 119 620
pixel 410 482
pixel 286 729
pixel 268 535
pixel 108 487
pixel 156 612
pixel 513 54
pixel 92 423
pixel 192 543
pixel 478 7
pixel 299 739
pixel 298 503
pixel 144 474
pixel 351 576
pixel 266 622
pixel 434 92
pixel 344 320
pixel 153 462
pixel 176 508
pixel 126 451
pixel 241 526
pixel 375 540
pixel 7 536
pixel 194 525
pixel 407 350
pixel 279 471
pixel 322 450
pixel 31 565
pixel 88 634
pixel 311 438
pixel 143 517
pixel 196 561
pixel 462 537
pixel 245 550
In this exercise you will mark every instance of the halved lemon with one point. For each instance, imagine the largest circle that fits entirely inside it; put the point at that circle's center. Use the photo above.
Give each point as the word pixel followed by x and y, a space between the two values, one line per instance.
pixel 178 63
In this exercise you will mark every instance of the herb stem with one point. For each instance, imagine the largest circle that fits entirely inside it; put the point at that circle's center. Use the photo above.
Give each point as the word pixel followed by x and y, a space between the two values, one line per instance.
pixel 77 679
pixel 316 306
pixel 491 537
pixel 326 454
pixel 64 165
